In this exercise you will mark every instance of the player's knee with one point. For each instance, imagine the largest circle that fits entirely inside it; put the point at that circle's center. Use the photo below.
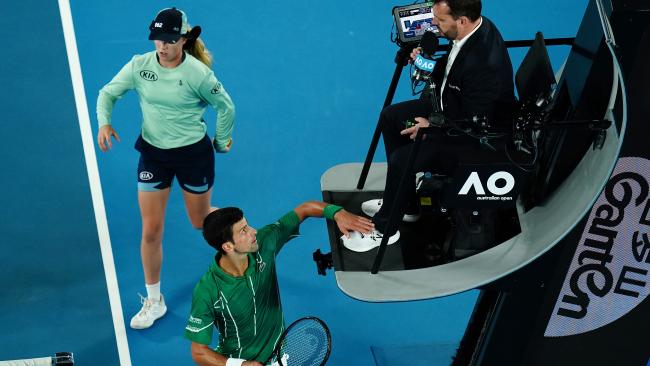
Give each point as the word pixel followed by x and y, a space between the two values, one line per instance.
pixel 197 216
pixel 196 223
pixel 152 234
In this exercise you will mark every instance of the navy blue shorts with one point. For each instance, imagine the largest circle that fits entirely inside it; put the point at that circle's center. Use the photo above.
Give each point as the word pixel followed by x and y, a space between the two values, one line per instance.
pixel 192 165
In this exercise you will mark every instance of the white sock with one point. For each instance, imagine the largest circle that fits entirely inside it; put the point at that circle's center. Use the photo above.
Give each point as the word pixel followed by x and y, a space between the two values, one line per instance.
pixel 153 291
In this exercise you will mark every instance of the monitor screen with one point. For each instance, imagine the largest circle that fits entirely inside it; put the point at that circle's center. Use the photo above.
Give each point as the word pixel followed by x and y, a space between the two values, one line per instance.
pixel 413 20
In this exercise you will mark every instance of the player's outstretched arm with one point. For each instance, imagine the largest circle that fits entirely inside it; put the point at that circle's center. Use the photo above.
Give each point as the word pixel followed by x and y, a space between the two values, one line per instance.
pixel 345 220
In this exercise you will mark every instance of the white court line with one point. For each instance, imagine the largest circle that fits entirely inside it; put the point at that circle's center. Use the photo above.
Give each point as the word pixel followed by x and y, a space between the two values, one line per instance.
pixel 95 184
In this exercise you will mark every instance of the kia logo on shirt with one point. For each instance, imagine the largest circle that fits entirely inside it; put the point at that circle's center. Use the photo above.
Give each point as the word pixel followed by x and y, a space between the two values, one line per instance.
pixel 216 89
pixel 148 75
pixel 145 176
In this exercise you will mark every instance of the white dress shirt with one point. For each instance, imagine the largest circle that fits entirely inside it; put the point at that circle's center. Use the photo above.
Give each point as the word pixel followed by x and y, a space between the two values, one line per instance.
pixel 455 48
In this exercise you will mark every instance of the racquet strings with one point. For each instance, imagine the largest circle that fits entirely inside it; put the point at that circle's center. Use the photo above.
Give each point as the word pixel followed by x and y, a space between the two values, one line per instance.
pixel 306 344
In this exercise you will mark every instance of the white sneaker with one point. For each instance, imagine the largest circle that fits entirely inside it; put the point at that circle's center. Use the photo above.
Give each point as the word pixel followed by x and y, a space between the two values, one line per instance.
pixel 371 208
pixel 359 242
pixel 151 310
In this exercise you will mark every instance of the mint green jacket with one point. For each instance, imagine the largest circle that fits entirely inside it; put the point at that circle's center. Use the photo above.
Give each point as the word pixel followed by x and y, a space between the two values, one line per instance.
pixel 172 100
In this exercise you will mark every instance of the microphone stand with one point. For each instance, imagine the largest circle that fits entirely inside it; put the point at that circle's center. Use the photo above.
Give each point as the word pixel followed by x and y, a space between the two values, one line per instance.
pixel 394 216
pixel 436 118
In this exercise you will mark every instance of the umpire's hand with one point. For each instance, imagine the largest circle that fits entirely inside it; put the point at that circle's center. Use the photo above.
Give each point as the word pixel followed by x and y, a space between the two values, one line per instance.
pixel 413 131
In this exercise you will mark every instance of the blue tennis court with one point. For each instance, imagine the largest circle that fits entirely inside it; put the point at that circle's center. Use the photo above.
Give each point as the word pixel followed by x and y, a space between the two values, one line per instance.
pixel 308 81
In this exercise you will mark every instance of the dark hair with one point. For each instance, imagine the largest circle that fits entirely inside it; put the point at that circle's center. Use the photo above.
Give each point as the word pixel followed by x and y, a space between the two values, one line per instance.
pixel 217 226
pixel 463 8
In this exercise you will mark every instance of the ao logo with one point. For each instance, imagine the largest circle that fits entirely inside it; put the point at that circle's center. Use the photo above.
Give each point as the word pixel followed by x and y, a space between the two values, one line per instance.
pixel 423 64
pixel 475 181
pixel 145 175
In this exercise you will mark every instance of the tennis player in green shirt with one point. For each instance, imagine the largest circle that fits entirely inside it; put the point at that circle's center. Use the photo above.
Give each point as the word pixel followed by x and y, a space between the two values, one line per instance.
pixel 175 84
pixel 239 293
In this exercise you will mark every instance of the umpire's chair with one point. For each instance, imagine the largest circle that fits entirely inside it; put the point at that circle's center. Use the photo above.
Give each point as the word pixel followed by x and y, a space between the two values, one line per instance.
pixel 479 200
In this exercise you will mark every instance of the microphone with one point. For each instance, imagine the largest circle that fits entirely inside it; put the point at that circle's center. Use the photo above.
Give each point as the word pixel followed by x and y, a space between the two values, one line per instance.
pixel 435 30
pixel 424 61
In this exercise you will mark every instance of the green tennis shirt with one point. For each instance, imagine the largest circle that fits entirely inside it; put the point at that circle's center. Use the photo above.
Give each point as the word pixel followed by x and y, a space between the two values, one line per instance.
pixel 245 310
pixel 172 100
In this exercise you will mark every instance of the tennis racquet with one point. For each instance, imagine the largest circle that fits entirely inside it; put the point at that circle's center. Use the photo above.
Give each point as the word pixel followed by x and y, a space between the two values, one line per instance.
pixel 306 342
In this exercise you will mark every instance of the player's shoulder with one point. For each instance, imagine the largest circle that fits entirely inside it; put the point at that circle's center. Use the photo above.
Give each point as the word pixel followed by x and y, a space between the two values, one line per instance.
pixel 268 230
pixel 207 284
pixel 198 68
pixel 277 233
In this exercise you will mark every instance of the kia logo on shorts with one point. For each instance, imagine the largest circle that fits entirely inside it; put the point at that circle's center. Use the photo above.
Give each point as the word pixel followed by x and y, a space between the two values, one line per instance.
pixel 145 176
pixel 148 75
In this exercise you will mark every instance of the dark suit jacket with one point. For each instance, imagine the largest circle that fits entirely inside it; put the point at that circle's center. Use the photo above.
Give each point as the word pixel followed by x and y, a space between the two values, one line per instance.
pixel 480 81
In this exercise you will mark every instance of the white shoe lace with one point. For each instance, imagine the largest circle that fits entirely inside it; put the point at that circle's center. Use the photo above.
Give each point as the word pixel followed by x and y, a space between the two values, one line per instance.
pixel 146 306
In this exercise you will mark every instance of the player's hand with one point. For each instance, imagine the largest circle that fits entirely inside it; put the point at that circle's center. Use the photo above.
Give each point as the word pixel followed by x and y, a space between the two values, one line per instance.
pixel 222 150
pixel 228 145
pixel 251 363
pixel 350 222
pixel 413 131
pixel 104 137
pixel 414 54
